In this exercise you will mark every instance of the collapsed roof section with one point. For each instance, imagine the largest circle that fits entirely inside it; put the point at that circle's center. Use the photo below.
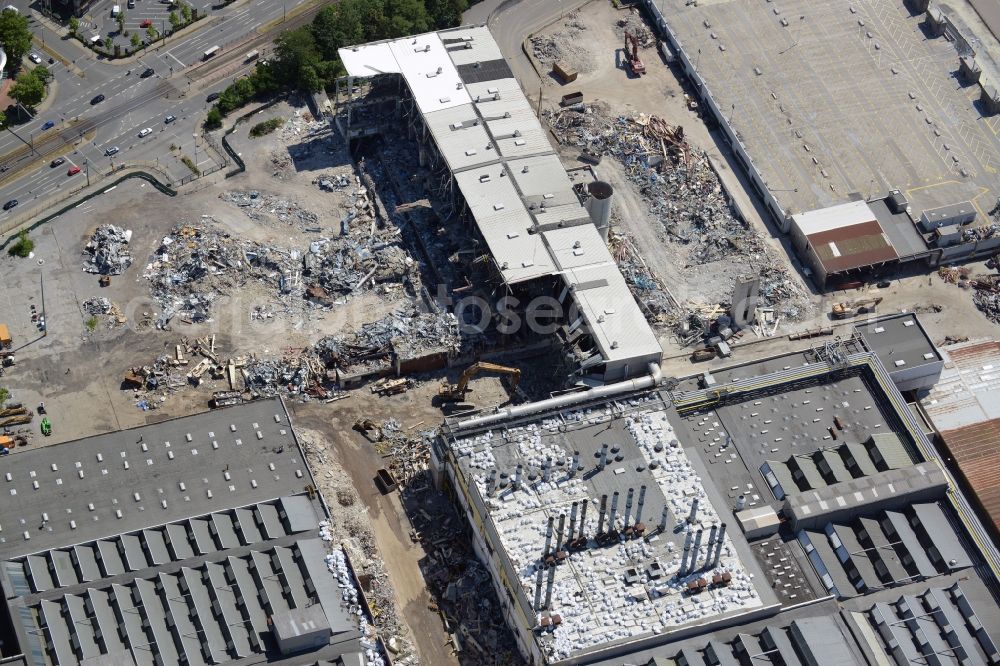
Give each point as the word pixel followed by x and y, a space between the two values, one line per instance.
pixel 512 181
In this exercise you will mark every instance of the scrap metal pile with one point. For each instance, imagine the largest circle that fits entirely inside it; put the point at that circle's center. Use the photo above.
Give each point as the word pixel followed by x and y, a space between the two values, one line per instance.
pixel 407 333
pixel 683 193
pixel 196 263
pixel 106 253
pixel 985 287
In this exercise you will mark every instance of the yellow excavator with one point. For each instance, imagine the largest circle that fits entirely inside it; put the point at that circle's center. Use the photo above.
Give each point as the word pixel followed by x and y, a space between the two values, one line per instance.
pixel 457 391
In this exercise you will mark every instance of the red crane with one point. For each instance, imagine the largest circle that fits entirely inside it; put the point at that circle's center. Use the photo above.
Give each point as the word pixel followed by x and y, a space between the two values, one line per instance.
pixel 632 54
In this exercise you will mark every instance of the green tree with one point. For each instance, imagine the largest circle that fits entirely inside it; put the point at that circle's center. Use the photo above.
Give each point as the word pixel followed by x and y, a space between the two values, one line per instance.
pixel 214 118
pixel 185 12
pixel 151 34
pixel 108 43
pixel 28 90
pixel 74 26
pixel 3 118
pixel 136 40
pixel 23 247
pixel 175 20
pixel 299 59
pixel 14 35
pixel 120 20
pixel 4 395
pixel 42 73
pixel 446 13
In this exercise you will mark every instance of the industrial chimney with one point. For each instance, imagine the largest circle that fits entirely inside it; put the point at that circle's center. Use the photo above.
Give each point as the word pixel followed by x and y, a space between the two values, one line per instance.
pixel 599 206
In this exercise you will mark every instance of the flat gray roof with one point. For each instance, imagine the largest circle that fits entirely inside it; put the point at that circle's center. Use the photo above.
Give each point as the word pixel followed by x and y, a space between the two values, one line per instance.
pixel 899 337
pixel 899 227
pixel 128 480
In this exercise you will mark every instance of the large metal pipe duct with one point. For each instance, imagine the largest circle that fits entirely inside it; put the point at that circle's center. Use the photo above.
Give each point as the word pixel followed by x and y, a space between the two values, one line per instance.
pixel 599 206
pixel 642 500
pixel 695 552
pixel 548 587
pixel 539 579
pixel 548 538
pixel 572 523
pixel 612 519
pixel 600 518
pixel 568 400
pixel 693 516
pixel 718 546
pixel 560 531
pixel 628 507
pixel 583 520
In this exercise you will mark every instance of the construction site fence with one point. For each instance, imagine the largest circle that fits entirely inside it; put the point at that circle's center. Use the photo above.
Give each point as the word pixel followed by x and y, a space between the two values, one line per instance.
pixel 151 179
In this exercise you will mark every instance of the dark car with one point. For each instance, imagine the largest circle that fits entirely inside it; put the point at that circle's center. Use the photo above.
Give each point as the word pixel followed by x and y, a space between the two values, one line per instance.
pixel 57 161
pixel 212 97
pixel 169 119
pixel 10 204
pixel 146 73
pixel 49 124
pixel 97 100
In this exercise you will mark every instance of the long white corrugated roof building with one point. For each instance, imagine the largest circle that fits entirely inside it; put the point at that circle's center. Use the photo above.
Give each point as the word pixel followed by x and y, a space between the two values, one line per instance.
pixel 511 180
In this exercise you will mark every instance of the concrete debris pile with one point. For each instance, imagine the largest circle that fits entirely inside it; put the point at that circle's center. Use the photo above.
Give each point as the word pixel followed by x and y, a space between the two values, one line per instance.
pixel 106 253
pixel 332 182
pixel 684 194
pixel 986 287
pixel 458 583
pixel 566 46
pixel 345 265
pixel 97 306
pixel 407 333
pixel 270 208
pixel 197 263
pixel 295 373
pixel 337 564
pixel 408 454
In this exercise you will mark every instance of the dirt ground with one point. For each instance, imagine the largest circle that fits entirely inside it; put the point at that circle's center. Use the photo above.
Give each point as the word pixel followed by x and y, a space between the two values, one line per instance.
pixel 590 40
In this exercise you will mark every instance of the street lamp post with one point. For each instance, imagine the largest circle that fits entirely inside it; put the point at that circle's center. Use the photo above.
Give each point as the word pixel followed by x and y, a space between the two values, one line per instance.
pixel 195 135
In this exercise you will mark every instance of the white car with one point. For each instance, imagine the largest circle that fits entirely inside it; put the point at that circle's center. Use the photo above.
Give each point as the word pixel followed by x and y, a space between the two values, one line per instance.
pixel 145 132
pixel 35 58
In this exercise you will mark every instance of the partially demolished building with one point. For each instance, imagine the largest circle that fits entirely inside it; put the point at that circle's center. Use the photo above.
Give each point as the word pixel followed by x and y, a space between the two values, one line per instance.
pixel 498 175
pixel 789 510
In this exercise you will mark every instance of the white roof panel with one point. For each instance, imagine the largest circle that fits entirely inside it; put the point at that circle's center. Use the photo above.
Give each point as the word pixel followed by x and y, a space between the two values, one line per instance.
pixel 422 60
pixel 833 217
pixel 482 47
pixel 465 146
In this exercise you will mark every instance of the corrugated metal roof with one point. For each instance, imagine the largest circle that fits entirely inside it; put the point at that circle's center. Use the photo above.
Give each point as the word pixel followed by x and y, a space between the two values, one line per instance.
pixel 969 389
pixel 976 450
pixel 478 46
pixel 853 246
pixel 833 217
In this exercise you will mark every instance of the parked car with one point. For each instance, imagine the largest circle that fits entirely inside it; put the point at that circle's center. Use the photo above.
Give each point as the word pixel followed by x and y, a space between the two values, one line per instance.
pixel 212 97
pixel 111 151
pixel 73 170
pixel 56 162
pixel 169 119
pixel 145 131
pixel 98 99
pixel 146 73
pixel 48 124
pixel 10 204
pixel 146 23
pixel 35 58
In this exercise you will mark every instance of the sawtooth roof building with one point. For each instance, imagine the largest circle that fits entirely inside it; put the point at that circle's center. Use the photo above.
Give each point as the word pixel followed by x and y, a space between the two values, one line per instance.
pixel 499 170
pixel 193 541
pixel 784 511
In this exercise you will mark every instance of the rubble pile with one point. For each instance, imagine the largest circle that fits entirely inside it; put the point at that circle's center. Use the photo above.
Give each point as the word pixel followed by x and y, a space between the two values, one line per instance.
pixel 97 306
pixel 985 288
pixel 457 581
pixel 637 27
pixel 565 46
pixel 106 253
pixel 197 263
pixel 408 333
pixel 649 291
pixel 682 192
pixel 268 207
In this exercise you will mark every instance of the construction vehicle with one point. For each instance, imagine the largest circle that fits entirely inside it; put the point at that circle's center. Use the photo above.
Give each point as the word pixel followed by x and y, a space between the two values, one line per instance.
pixel 366 426
pixel 457 391
pixel 845 310
pixel 391 386
pixel 5 339
pixel 632 59
pixel 46 426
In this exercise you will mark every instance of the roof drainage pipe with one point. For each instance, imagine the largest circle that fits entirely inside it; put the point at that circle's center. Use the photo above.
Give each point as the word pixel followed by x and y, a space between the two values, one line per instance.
pixel 596 393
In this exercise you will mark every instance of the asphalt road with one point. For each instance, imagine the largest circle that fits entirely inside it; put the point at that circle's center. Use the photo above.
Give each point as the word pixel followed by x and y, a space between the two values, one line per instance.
pixel 83 130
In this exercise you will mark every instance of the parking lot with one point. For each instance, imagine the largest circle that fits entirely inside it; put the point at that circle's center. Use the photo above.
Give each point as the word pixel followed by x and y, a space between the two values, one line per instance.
pixel 834 101
pixel 99 20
